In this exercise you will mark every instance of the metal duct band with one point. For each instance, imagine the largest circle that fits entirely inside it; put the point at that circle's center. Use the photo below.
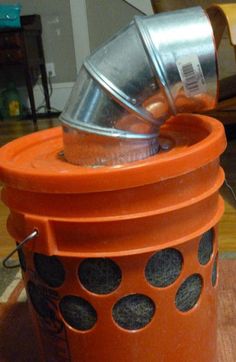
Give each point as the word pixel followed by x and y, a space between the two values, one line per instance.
pixel 155 67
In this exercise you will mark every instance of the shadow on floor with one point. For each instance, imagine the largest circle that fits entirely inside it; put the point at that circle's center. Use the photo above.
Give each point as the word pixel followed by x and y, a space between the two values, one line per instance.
pixel 17 337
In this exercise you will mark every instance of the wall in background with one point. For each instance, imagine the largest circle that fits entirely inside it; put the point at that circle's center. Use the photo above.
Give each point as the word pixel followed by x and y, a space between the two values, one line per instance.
pixel 106 17
pixel 57 34
pixel 143 5
pixel 60 94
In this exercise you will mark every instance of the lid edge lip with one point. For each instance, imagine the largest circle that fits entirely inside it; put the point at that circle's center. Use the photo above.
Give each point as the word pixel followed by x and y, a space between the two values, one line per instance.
pixel 146 214
pixel 110 178
pixel 145 249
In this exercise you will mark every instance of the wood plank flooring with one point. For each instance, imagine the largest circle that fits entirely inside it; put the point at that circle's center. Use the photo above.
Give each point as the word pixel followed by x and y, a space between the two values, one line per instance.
pixel 10 130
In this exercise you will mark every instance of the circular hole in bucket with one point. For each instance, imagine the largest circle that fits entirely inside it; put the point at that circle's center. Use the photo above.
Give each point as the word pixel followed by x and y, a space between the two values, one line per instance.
pixel 21 257
pixel 39 302
pixel 214 271
pixel 99 275
pixel 205 248
pixel 134 311
pixel 50 269
pixel 164 267
pixel 189 292
pixel 78 313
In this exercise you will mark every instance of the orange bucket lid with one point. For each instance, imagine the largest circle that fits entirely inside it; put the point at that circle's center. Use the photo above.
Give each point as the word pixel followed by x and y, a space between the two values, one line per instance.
pixel 34 162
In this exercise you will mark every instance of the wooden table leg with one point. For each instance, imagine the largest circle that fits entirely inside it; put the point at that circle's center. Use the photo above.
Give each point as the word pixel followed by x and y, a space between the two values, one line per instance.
pixel 29 85
pixel 45 86
pixel 44 74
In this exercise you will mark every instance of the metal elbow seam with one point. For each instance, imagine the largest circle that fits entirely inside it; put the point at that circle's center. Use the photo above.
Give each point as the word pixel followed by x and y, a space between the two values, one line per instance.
pixel 155 67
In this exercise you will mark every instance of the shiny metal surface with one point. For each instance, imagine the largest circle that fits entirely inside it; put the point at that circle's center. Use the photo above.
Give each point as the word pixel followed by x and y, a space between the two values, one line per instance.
pixel 112 85
pixel 92 109
pixel 181 48
pixel 156 67
pixel 131 104
pixel 137 72
pixel 95 150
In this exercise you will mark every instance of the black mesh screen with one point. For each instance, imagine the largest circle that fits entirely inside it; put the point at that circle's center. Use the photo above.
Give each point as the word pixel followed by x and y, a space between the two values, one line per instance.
pixel 99 275
pixel 188 293
pixel 134 311
pixel 50 269
pixel 205 249
pixel 78 313
pixel 39 302
pixel 164 267
pixel 214 272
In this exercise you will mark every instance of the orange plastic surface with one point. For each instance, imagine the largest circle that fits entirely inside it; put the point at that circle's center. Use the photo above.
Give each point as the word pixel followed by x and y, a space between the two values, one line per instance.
pixel 127 214
pixel 33 162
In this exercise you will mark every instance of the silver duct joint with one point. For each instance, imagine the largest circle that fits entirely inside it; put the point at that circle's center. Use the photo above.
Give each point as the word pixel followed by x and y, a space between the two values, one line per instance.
pixel 156 67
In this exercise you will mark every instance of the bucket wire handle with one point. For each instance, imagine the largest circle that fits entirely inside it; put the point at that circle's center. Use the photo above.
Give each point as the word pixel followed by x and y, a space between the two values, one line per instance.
pixel 31 236
pixel 231 189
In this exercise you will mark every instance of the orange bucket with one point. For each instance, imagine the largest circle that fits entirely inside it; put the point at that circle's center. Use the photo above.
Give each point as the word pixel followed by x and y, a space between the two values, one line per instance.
pixel 124 265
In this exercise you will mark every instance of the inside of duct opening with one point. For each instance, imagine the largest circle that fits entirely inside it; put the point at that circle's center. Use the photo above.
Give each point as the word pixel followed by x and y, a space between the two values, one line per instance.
pixel 94 150
pixel 147 72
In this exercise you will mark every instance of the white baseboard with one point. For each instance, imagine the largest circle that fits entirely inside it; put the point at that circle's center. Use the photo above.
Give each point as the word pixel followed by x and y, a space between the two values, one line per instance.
pixel 60 94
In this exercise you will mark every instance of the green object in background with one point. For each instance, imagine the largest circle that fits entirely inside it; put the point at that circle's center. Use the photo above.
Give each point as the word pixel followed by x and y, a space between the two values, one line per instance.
pixel 10 102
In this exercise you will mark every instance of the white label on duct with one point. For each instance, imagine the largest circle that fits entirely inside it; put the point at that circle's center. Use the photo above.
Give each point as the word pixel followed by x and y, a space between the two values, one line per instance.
pixel 191 74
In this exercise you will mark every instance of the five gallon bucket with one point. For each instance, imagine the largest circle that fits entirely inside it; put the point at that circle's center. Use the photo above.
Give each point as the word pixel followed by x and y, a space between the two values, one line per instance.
pixel 120 262
pixel 123 266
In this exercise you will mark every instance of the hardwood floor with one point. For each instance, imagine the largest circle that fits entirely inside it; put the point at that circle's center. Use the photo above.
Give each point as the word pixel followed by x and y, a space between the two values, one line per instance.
pixel 9 130
pixel 227 237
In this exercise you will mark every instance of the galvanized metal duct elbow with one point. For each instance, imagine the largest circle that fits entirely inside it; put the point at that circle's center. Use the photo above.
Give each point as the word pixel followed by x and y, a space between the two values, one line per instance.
pixel 156 67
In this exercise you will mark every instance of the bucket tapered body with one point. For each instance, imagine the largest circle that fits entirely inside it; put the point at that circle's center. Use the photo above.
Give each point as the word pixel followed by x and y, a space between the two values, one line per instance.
pixel 124 267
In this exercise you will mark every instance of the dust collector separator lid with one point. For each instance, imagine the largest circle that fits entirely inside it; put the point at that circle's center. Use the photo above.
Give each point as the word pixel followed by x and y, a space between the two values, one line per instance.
pixel 33 162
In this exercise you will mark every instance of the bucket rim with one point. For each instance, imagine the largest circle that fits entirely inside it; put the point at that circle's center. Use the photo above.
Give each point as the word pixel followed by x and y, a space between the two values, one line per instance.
pixel 32 162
